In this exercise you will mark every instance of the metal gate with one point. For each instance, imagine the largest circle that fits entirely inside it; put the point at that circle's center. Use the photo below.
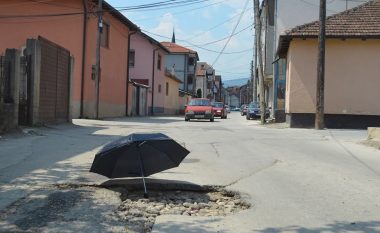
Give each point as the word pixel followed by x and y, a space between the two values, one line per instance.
pixel 139 101
pixel 5 89
pixel 24 91
pixel 54 82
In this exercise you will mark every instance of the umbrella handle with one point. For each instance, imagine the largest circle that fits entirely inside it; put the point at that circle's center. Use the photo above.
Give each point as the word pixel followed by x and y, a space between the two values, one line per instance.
pixel 142 175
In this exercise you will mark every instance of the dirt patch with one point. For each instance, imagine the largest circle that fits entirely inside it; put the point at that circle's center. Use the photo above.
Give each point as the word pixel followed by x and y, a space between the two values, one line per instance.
pixel 140 213
pixel 274 125
pixel 372 143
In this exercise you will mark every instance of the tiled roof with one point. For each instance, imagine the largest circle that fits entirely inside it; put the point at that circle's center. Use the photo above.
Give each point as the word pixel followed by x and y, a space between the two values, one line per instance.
pixel 175 48
pixel 359 22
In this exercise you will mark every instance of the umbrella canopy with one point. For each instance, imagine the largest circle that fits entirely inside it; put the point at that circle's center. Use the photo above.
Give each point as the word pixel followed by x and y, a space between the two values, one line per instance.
pixel 138 155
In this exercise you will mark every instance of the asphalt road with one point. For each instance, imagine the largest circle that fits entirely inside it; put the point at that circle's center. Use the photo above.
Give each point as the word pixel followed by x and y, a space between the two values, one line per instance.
pixel 297 180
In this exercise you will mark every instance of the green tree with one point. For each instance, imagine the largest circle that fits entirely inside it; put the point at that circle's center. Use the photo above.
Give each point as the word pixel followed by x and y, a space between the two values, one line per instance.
pixel 199 93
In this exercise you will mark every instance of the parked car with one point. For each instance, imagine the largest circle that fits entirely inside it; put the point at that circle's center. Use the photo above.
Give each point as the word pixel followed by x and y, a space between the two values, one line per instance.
pixel 236 109
pixel 199 108
pixel 253 111
pixel 243 109
pixel 219 110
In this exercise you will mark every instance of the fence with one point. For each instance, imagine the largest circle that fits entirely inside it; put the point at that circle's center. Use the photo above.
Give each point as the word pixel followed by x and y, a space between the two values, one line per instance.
pixel 5 81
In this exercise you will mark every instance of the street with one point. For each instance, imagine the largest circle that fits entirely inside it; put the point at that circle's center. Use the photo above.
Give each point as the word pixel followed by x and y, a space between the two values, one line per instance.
pixel 296 180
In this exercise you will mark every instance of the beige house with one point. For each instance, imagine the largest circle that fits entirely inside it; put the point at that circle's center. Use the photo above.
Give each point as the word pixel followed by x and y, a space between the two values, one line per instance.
pixel 352 71
pixel 172 99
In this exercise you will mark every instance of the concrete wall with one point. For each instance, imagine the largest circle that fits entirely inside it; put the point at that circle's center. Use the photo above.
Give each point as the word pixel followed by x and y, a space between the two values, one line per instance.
pixel 9 107
pixel 351 81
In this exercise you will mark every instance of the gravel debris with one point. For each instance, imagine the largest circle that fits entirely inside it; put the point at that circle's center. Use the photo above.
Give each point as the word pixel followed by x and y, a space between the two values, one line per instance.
pixel 140 213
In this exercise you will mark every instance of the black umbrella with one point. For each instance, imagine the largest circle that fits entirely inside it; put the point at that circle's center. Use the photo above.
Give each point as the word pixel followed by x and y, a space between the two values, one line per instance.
pixel 138 155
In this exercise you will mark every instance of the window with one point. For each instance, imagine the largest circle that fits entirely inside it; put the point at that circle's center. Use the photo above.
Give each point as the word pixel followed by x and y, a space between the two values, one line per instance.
pixel 191 61
pixel 104 36
pixel 131 58
pixel 167 89
pixel 159 88
pixel 159 62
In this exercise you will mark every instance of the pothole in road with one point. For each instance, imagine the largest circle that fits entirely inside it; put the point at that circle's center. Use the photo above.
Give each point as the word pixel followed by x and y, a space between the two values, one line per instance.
pixel 140 213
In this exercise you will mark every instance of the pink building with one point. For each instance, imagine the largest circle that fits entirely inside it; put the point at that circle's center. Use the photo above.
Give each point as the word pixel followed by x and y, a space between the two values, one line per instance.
pixel 147 67
pixel 72 24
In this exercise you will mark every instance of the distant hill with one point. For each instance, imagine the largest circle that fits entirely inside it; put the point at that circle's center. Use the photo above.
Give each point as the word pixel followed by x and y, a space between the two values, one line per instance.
pixel 235 82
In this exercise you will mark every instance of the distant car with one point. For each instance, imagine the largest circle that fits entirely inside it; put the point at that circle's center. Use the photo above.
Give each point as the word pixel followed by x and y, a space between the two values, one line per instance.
pixel 219 110
pixel 236 109
pixel 199 108
pixel 253 111
pixel 243 109
pixel 227 108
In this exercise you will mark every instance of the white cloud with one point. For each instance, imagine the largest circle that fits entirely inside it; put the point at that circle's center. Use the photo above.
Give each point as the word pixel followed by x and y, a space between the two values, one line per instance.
pixel 165 25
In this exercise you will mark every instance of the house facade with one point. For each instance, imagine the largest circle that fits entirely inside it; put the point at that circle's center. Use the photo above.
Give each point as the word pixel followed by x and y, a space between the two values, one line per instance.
pixel 233 96
pixel 205 75
pixel 172 98
pixel 217 88
pixel 66 25
pixel 277 17
pixel 146 66
pixel 351 71
pixel 184 63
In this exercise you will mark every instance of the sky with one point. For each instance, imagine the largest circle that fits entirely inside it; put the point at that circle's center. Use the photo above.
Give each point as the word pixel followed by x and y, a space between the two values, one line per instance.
pixel 204 27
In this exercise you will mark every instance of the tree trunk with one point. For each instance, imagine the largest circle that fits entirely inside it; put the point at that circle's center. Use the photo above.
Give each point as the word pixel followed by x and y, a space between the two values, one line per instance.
pixel 260 60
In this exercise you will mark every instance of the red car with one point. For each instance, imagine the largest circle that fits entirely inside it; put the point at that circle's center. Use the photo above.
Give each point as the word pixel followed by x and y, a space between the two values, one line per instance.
pixel 219 110
pixel 199 108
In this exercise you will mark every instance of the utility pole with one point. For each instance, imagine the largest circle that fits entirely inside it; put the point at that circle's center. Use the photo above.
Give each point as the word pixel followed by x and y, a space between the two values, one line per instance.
pixel 319 115
pixel 260 60
pixel 97 69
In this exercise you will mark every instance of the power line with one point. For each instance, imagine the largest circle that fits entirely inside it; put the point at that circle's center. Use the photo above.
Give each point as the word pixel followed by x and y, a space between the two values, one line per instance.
pixel 185 11
pixel 215 41
pixel 233 31
pixel 217 25
pixel 196 46
pixel 154 6
pixel 162 5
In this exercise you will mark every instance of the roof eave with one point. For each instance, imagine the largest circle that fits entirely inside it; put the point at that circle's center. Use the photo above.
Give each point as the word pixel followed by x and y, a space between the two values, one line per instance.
pixel 120 16
pixel 284 41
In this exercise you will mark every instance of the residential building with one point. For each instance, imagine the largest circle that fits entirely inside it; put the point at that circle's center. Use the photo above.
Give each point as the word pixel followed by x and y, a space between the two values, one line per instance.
pixel 217 88
pixel 76 33
pixel 146 66
pixel 233 98
pixel 277 17
pixel 205 75
pixel 233 101
pixel 351 72
pixel 184 63
pixel 245 94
